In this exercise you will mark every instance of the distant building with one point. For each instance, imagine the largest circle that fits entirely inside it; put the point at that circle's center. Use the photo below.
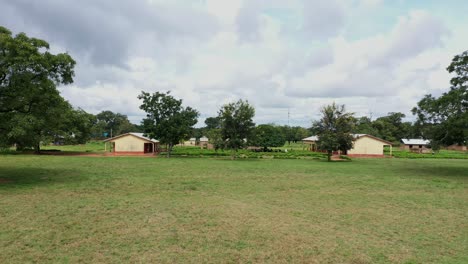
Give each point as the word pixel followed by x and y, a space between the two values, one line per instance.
pixel 363 145
pixel 190 142
pixel 132 143
pixel 457 147
pixel 204 143
pixel 417 145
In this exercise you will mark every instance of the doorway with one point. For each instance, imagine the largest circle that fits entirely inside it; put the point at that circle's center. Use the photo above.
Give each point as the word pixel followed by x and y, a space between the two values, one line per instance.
pixel 148 148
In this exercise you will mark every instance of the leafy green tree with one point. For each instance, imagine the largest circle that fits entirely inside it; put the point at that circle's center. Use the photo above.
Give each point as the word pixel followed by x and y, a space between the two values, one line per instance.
pixel 267 136
pixel 166 119
pixel 236 124
pixel 79 126
pixel 44 122
pixel 334 129
pixel 27 70
pixel 113 123
pixel 299 133
pixel 212 123
pixel 215 138
pixel 364 125
pixel 30 105
pixel 444 120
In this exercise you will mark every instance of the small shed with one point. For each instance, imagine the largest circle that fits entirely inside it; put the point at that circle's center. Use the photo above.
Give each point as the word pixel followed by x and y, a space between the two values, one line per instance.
pixel 310 142
pixel 132 143
pixel 204 143
pixel 416 145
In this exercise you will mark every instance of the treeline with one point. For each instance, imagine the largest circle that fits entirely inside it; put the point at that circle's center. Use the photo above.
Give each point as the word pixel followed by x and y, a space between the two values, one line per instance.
pixel 32 111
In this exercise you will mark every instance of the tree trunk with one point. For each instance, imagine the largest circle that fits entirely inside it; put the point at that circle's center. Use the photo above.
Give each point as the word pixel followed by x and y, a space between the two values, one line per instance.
pixel 233 154
pixel 329 155
pixel 169 150
pixel 37 148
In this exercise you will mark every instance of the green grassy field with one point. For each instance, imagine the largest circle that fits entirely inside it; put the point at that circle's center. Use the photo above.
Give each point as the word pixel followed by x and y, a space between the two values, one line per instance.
pixel 184 210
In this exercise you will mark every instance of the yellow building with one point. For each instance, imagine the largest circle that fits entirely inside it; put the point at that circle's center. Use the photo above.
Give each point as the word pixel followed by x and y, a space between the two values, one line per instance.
pixel 363 145
pixel 367 145
pixel 132 143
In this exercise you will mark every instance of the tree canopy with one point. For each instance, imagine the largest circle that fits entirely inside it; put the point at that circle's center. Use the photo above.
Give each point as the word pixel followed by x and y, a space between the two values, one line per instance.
pixel 112 124
pixel 166 119
pixel 31 108
pixel 236 123
pixel 444 120
pixel 334 129
pixel 266 136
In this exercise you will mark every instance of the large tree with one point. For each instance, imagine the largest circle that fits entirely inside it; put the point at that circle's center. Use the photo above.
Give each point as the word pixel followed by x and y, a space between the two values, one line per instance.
pixel 28 70
pixel 113 124
pixel 236 124
pixel 31 108
pixel 266 136
pixel 444 120
pixel 166 119
pixel 334 129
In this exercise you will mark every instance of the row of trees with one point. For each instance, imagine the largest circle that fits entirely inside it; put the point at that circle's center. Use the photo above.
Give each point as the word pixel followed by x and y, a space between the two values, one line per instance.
pixel 32 110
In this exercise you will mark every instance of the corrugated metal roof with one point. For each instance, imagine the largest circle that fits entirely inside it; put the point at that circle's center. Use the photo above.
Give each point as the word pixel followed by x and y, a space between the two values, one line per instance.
pixel 415 141
pixel 203 139
pixel 355 136
pixel 140 135
pixel 311 138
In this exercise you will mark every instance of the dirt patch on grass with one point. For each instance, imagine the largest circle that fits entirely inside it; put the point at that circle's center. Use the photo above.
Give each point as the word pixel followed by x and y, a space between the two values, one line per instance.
pixel 5 181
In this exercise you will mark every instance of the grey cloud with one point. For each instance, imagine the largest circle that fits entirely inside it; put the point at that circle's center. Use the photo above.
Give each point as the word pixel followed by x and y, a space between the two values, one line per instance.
pixel 322 19
pixel 107 30
pixel 248 20
pixel 418 34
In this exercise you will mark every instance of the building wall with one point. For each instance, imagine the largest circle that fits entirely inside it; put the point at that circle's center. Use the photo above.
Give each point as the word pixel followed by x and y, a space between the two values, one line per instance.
pixel 456 147
pixel 415 148
pixel 129 143
pixel 367 146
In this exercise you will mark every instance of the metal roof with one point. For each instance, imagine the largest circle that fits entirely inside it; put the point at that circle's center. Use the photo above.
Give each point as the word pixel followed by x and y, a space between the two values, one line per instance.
pixel 311 138
pixel 139 135
pixel 415 141
pixel 203 139
pixel 355 136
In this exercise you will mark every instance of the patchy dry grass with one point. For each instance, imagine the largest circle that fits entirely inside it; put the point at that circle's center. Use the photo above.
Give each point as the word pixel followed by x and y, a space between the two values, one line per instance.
pixel 83 209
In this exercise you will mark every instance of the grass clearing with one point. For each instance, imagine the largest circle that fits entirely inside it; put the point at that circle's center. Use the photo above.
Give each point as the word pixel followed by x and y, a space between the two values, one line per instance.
pixel 123 209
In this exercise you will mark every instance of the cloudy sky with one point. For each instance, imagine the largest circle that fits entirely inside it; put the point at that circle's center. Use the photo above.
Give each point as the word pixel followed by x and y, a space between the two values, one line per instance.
pixel 374 56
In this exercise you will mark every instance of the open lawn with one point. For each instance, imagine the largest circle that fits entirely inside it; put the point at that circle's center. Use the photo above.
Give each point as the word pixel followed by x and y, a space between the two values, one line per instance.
pixel 184 210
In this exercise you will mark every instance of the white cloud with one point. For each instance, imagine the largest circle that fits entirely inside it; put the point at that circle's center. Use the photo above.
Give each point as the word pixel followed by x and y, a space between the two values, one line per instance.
pixel 277 54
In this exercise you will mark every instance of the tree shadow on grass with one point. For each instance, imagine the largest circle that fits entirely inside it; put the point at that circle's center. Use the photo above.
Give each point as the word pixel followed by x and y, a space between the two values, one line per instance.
pixel 24 177
pixel 437 171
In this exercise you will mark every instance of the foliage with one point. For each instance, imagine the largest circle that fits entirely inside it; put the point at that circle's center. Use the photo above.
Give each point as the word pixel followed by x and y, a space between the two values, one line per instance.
pixel 441 154
pixel 113 124
pixel 267 136
pixel 334 129
pixel 390 127
pixel 215 138
pixel 444 120
pixel 31 108
pixel 212 123
pixel 79 126
pixel 166 119
pixel 236 124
